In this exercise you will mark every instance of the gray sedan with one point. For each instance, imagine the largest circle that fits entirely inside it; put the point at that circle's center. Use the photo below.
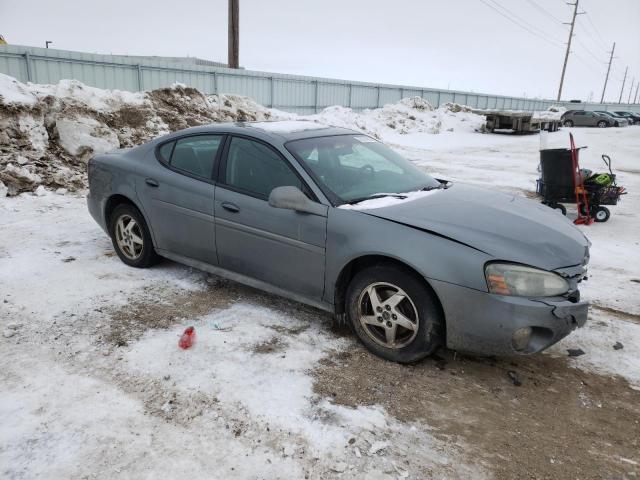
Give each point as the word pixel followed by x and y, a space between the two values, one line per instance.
pixel 582 118
pixel 335 219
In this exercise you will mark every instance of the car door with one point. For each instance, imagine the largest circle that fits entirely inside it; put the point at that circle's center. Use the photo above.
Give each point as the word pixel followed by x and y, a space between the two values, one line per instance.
pixel 282 247
pixel 579 119
pixel 178 196
pixel 591 119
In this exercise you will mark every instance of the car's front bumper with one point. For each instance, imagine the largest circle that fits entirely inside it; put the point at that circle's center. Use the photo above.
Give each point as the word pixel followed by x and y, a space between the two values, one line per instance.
pixel 484 323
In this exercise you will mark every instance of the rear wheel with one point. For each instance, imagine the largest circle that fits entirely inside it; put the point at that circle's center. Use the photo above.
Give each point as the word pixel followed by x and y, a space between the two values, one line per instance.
pixel 568 123
pixel 602 124
pixel 559 206
pixel 556 206
pixel 394 313
pixel 131 238
pixel 601 214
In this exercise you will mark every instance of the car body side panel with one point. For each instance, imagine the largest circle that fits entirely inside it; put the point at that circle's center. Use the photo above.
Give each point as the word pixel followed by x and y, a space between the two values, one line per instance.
pixel 352 234
pixel 278 246
pixel 180 208
pixel 111 174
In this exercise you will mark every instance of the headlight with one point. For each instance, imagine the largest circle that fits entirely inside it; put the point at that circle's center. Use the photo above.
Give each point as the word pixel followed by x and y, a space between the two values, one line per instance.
pixel 521 281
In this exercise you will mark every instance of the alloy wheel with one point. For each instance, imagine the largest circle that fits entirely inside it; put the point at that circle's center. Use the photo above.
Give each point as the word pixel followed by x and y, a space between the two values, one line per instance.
pixel 388 315
pixel 129 237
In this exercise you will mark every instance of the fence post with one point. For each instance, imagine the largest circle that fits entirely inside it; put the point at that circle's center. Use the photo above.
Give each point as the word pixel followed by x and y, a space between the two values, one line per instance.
pixel 215 82
pixel 315 102
pixel 140 86
pixel 27 59
pixel 401 93
pixel 378 97
pixel 454 98
pixel 271 94
pixel 438 105
pixel 349 96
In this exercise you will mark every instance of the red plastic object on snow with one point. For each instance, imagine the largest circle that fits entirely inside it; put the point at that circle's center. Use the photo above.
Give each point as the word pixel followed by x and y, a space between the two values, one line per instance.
pixel 188 338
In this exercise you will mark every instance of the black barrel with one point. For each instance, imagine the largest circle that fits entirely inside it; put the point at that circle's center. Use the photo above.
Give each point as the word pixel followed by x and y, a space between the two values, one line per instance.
pixel 557 172
pixel 557 166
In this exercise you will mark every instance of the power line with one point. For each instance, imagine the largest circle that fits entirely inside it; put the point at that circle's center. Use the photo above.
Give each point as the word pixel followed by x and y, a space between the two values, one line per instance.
pixel 595 29
pixel 525 22
pixel 594 41
pixel 544 11
pixel 586 63
pixel 521 25
pixel 588 50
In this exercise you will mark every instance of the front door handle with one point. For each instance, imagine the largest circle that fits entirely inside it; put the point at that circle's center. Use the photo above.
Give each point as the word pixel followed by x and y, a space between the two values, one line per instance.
pixel 231 207
pixel 151 182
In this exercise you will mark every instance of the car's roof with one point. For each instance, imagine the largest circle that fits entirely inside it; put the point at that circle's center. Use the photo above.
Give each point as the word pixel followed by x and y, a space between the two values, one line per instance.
pixel 283 130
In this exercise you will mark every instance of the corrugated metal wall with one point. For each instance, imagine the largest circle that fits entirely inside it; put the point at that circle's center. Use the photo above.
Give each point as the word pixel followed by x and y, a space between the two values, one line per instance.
pixel 293 93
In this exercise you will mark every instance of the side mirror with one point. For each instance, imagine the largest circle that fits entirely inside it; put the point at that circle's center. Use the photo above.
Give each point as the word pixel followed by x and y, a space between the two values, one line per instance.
pixel 292 198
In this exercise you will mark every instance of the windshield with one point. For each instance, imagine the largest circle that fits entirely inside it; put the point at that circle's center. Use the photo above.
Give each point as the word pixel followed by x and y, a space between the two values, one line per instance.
pixel 356 167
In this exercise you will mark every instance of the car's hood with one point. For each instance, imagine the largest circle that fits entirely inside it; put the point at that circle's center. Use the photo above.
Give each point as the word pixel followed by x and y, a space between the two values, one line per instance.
pixel 506 227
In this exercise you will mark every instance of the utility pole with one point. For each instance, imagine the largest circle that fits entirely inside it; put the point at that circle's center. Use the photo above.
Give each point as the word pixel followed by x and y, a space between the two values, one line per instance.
pixel 623 82
pixel 631 90
pixel 566 56
pixel 234 34
pixel 608 70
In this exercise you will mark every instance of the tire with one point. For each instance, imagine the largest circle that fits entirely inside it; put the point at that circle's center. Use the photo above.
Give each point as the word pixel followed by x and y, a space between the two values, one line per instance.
pixel 602 124
pixel 132 242
pixel 559 206
pixel 556 206
pixel 417 307
pixel 601 214
pixel 568 123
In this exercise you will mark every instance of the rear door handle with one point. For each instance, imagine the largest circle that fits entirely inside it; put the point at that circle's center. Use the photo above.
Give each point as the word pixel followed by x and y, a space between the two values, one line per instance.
pixel 151 182
pixel 231 207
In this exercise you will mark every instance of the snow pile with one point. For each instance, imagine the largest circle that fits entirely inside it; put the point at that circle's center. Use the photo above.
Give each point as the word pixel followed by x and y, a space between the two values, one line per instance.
pixel 48 132
pixel 409 115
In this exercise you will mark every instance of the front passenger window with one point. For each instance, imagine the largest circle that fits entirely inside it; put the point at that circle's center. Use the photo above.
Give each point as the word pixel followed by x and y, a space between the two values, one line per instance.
pixel 255 168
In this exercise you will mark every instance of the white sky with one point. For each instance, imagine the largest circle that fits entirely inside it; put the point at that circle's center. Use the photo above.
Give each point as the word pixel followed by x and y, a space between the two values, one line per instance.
pixel 461 44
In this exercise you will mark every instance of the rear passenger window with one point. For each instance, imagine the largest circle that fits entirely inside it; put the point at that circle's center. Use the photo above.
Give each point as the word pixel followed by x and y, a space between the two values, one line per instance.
pixel 165 151
pixel 194 155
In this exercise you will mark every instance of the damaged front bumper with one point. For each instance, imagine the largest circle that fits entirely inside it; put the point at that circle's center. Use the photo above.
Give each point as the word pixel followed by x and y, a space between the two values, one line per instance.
pixel 489 324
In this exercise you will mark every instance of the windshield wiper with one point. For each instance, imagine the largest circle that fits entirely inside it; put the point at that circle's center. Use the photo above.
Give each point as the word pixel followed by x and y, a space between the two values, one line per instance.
pixel 376 195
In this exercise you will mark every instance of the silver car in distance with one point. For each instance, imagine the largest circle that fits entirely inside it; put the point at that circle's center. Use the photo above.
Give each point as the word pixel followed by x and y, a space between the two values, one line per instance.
pixel 335 219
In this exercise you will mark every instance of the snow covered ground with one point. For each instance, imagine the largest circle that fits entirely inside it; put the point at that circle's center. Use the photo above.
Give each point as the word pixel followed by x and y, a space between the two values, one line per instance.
pixel 94 385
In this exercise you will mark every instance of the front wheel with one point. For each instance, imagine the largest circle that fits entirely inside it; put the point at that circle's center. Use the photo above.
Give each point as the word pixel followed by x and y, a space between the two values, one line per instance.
pixel 568 123
pixel 394 313
pixel 602 124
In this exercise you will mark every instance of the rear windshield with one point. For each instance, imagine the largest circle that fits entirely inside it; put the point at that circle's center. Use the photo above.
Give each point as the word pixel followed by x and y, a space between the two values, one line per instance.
pixel 357 166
